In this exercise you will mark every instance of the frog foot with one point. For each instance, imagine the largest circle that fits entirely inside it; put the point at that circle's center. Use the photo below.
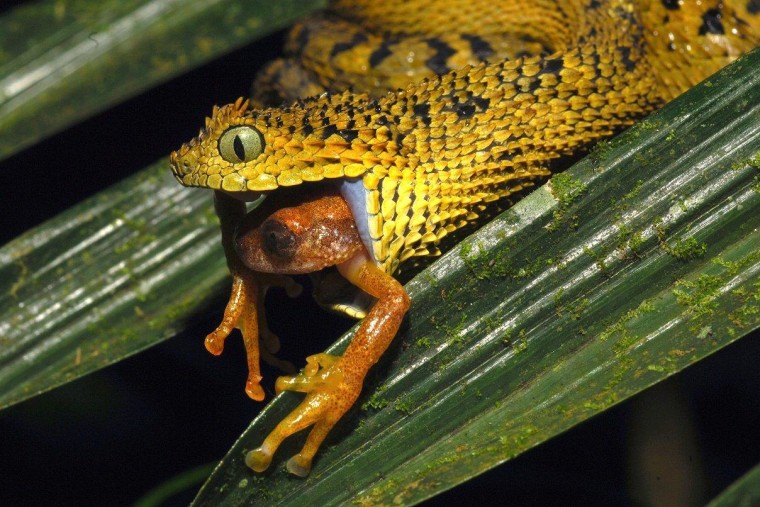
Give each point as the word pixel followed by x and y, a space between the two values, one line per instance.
pixel 331 389
pixel 245 310
pixel 316 370
pixel 270 343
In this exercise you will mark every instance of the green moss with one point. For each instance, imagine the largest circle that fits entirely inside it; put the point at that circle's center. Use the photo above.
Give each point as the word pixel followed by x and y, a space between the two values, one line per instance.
pixel 732 268
pixel 619 327
pixel 558 306
pixel 649 124
pixel 599 257
pixel 516 441
pixel 565 189
pixel 621 371
pixel 600 151
pixel 502 266
pixel 423 342
pixel 666 365
pixel 640 158
pixel 404 405
pixel 476 259
pixel 454 334
pixel 376 401
pixel 579 308
pixel 624 232
pixel 529 269
pixel 748 314
pixel 21 279
pixel 753 162
pixel 484 264
pixel 636 241
pixel 429 279
pixel 624 343
pixel 685 249
pixel 521 344
pixel 699 295
pixel 634 191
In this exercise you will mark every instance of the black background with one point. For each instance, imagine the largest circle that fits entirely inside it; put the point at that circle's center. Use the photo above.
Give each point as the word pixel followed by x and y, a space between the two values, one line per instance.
pixel 110 437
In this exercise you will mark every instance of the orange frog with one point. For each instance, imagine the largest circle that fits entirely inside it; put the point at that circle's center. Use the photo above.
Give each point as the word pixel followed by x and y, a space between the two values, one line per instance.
pixel 318 231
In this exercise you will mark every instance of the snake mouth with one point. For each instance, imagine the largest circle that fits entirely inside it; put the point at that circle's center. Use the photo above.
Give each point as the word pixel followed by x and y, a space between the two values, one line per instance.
pixel 175 165
pixel 246 195
pixel 182 161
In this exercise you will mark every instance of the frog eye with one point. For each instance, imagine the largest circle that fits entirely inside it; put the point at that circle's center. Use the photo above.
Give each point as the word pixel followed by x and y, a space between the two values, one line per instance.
pixel 241 144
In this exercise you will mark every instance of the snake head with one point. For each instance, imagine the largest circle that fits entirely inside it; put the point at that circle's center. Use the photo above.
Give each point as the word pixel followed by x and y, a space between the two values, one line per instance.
pixel 254 150
pixel 230 153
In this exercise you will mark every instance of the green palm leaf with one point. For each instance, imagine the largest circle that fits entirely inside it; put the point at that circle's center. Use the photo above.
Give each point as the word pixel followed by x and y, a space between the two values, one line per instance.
pixel 79 57
pixel 745 492
pixel 632 265
pixel 638 261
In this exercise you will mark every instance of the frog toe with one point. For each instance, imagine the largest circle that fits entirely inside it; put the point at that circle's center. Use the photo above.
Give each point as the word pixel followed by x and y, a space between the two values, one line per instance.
pixel 297 383
pixel 215 343
pixel 313 377
pixel 253 388
pixel 259 459
pixel 299 465
pixel 292 288
pixel 316 362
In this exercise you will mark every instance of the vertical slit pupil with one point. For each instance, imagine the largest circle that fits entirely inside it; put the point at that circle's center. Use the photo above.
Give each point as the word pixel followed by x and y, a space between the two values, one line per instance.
pixel 237 146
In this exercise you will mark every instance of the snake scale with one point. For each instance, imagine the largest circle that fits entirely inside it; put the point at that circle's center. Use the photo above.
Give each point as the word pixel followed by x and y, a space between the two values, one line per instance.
pixel 424 113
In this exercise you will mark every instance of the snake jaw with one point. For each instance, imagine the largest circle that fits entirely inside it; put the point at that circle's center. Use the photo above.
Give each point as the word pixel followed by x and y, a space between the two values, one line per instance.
pixel 182 163
pixel 247 195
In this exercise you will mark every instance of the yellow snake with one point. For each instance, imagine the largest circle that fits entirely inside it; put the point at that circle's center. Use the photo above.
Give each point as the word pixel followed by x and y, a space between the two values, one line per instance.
pixel 540 81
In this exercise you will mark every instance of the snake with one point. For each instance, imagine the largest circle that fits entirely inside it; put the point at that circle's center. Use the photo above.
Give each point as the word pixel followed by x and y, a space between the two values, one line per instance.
pixel 421 116
pixel 420 162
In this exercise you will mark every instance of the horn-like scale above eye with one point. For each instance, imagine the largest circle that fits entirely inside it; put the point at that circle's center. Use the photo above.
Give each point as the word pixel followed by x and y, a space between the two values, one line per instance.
pixel 241 144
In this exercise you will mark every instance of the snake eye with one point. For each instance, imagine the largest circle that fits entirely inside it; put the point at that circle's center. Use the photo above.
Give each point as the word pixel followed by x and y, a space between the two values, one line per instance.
pixel 241 144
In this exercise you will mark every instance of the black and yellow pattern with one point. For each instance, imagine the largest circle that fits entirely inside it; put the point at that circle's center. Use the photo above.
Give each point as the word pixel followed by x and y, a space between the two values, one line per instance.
pixel 432 155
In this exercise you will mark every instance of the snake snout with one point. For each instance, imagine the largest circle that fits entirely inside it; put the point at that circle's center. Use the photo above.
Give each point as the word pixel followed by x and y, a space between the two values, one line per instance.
pixel 182 165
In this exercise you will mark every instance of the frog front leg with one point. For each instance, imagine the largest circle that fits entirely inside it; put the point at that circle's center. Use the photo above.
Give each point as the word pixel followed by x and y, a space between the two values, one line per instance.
pixel 313 235
pixel 245 309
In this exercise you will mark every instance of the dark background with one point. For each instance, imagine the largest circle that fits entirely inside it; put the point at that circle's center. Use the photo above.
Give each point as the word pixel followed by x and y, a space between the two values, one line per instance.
pixel 110 437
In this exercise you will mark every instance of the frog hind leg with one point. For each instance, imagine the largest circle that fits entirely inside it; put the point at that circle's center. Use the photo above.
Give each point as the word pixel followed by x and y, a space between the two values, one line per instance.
pixel 333 383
